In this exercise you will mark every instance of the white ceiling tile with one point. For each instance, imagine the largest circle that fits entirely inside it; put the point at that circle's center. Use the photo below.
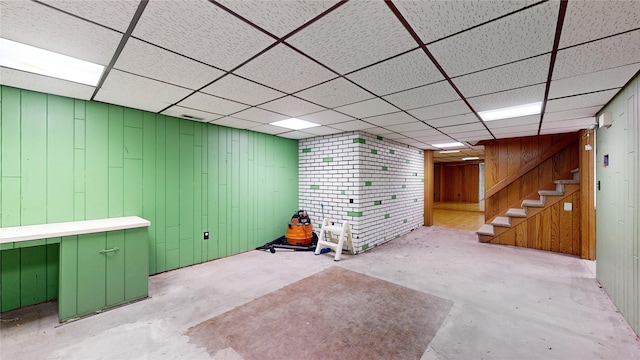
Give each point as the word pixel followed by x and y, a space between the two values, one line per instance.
pixel 284 69
pixel 259 115
pixel 423 96
pixel 38 25
pixel 212 104
pixel 269 129
pixel 454 120
pixel 400 73
pixel 598 55
pixel 395 136
pixel 411 142
pixel 351 125
pixel 41 83
pixel 515 129
pixel 408 127
pixel 601 80
pixel 322 130
pixel 279 17
pixel 291 106
pixel 473 136
pixel 434 20
pixel 230 121
pixel 116 14
pixel 200 30
pixel 377 131
pixel 335 93
pixel 451 130
pixel 147 60
pixel 390 119
pixel 435 139
pixel 515 75
pixel 517 134
pixel 590 20
pixel 235 88
pixel 526 95
pixel 451 108
pixel 124 89
pixel 354 35
pixel 296 135
pixel 599 98
pixel 571 114
pixel 421 133
pixel 527 33
pixel 368 108
pixel 567 125
pixel 191 114
pixel 519 121
pixel 326 117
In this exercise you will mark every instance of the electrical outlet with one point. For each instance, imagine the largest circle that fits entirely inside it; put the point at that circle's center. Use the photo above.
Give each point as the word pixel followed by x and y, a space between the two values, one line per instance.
pixel 206 235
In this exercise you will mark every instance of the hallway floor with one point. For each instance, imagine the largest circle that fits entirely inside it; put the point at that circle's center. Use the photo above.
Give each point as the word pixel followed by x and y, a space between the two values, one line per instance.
pixel 459 215
pixel 506 303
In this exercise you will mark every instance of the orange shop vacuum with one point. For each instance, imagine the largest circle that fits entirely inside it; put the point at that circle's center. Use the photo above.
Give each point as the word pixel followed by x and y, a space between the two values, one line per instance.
pixel 299 236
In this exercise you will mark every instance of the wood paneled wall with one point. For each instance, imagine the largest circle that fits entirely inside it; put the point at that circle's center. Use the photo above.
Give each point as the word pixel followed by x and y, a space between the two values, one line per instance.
pixel 506 157
pixel 428 187
pixel 531 164
pixel 551 229
pixel 457 182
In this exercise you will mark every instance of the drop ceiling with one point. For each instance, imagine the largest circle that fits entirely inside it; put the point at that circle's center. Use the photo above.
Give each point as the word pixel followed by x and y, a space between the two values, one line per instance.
pixel 416 72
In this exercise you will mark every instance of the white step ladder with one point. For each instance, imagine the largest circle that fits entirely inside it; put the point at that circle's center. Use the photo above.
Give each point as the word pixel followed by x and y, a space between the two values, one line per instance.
pixel 335 238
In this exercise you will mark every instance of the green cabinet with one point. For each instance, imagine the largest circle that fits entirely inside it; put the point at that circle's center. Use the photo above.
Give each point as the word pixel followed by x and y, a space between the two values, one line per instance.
pixel 102 270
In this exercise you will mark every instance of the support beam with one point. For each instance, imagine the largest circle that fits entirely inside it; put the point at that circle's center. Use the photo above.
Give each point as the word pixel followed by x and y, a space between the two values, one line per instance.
pixel 587 195
pixel 428 187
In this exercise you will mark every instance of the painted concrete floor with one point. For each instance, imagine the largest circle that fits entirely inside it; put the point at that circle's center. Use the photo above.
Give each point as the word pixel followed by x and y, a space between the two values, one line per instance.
pixel 508 303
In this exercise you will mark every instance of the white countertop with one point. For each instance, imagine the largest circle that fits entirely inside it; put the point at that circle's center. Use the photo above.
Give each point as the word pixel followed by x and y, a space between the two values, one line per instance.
pixel 43 231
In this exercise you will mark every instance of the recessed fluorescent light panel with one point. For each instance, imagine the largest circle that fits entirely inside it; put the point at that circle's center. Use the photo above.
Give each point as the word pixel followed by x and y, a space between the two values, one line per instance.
pixel 511 112
pixel 449 151
pixel 447 145
pixel 471 158
pixel 35 60
pixel 294 124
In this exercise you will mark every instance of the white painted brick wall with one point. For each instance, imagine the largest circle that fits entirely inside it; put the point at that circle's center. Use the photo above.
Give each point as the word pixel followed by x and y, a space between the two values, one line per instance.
pixel 382 178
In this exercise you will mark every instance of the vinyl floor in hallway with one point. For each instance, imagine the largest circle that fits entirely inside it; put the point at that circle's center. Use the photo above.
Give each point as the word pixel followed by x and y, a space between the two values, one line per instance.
pixel 458 215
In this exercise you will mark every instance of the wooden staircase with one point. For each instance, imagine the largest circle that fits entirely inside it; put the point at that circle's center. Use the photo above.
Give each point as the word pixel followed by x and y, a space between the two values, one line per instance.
pixel 529 207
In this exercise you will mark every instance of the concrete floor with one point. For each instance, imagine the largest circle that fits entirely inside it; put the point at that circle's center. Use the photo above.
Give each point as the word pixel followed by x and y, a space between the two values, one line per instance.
pixel 509 303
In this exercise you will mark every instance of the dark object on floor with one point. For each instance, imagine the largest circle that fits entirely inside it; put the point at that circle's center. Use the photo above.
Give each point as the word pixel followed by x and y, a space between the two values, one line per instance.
pixel 334 314
pixel 299 236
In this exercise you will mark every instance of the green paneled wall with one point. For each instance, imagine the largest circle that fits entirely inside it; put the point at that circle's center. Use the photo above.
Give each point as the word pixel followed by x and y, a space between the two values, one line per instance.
pixel 65 159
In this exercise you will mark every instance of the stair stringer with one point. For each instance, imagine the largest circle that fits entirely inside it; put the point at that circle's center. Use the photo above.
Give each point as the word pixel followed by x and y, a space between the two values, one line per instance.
pixel 569 187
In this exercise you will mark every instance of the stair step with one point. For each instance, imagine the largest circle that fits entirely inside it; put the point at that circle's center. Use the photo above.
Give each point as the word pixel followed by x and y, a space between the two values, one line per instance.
pixel 521 213
pixel 501 221
pixel 567 181
pixel 486 229
pixel 576 174
pixel 533 203
pixel 550 193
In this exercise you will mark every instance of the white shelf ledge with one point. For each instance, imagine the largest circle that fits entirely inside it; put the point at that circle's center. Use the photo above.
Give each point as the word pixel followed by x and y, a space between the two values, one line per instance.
pixel 43 231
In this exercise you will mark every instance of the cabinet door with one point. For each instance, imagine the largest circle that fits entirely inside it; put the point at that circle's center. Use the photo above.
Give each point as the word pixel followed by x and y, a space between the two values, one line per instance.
pixel 136 263
pixel 114 258
pixel 68 278
pixel 91 272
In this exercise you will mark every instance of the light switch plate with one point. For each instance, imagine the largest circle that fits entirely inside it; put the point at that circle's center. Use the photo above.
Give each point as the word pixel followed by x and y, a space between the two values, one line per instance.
pixel 568 206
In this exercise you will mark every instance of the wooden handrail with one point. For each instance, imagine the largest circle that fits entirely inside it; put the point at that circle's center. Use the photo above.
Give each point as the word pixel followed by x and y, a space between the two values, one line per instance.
pixel 528 167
